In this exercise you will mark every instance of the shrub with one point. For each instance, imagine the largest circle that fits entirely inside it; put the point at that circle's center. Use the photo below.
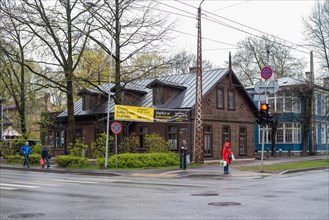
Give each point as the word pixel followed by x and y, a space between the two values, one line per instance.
pixel 141 160
pixel 99 147
pixel 156 143
pixel 129 144
pixel 14 159
pixel 79 148
pixel 71 161
pixel 37 148
pixel 18 159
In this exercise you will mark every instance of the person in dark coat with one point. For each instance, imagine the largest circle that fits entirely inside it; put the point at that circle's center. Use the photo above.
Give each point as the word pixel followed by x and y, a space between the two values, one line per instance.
pixel 45 156
pixel 26 150
pixel 183 152
pixel 227 155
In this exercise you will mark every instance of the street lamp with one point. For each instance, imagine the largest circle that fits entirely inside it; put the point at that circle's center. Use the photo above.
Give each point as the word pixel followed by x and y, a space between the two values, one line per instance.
pixel 109 105
pixel 92 5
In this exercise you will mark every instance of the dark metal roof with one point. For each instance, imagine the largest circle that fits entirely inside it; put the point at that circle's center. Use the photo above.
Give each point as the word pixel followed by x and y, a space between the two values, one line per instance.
pixel 166 83
pixel 184 99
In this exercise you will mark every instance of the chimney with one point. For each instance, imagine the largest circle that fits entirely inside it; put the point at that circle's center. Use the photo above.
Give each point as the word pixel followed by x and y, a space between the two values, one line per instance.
pixel 193 69
pixel 326 82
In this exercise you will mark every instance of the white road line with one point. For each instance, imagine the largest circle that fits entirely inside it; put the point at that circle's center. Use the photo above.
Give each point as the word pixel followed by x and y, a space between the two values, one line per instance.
pixel 7 188
pixel 38 183
pixel 74 181
pixel 16 185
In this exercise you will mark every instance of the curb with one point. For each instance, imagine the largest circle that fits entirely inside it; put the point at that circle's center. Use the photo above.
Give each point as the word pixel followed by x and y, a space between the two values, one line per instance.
pixel 303 170
pixel 50 170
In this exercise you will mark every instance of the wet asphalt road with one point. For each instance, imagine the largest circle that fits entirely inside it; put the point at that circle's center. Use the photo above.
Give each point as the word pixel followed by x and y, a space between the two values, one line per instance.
pixel 35 195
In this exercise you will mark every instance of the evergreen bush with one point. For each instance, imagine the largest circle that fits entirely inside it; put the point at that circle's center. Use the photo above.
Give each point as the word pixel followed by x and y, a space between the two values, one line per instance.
pixel 71 161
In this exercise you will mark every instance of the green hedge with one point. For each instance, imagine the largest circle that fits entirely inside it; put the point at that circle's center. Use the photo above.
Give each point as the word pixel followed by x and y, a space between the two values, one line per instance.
pixel 71 161
pixel 141 160
pixel 34 159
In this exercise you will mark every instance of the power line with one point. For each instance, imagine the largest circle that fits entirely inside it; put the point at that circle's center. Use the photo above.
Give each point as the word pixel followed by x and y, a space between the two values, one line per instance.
pixel 238 29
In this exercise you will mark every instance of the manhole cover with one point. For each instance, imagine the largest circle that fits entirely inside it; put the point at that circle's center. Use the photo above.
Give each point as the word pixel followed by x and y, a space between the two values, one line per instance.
pixel 26 215
pixel 205 194
pixel 224 203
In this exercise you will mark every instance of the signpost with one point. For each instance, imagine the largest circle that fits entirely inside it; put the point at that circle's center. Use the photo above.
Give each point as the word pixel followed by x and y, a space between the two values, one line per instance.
pixel 116 128
pixel 266 72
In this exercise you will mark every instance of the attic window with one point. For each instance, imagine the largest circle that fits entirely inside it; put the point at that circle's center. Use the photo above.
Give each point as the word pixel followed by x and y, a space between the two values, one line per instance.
pixel 158 96
pixel 86 102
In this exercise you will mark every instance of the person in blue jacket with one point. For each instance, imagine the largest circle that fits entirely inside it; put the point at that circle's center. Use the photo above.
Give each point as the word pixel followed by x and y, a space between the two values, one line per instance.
pixel 26 150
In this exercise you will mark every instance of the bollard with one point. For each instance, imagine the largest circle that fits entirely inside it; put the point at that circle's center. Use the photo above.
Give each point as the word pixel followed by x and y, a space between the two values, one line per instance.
pixel 280 152
pixel 289 152
pixel 267 153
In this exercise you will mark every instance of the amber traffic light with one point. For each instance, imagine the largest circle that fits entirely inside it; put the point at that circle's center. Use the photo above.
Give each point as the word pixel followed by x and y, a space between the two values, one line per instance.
pixel 264 107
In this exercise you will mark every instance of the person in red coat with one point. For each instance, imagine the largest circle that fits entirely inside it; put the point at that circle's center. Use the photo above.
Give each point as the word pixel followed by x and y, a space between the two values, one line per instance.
pixel 227 155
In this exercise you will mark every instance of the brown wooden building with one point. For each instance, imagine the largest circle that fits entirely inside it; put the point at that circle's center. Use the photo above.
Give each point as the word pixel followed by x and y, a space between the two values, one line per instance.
pixel 228 112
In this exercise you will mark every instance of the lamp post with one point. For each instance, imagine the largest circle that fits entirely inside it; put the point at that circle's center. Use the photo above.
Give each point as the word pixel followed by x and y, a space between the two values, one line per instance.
pixel 109 105
pixel 92 5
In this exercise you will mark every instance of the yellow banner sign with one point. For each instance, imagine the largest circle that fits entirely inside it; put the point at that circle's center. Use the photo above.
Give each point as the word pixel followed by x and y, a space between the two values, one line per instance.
pixel 133 113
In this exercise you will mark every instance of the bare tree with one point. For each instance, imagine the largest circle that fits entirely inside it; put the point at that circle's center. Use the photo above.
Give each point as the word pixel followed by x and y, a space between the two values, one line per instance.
pixel 182 61
pixel 135 27
pixel 14 45
pixel 317 32
pixel 254 53
pixel 60 30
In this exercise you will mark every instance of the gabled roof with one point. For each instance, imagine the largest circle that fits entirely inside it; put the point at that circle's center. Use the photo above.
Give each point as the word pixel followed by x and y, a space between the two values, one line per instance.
pixel 184 99
pixel 165 83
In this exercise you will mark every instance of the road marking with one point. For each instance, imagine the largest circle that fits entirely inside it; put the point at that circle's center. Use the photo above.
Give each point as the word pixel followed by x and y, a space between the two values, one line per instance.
pixel 74 181
pixel 7 188
pixel 16 185
pixel 38 183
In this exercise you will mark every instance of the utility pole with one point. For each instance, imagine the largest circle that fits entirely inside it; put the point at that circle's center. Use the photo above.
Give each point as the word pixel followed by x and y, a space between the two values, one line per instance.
pixel 312 149
pixel 198 132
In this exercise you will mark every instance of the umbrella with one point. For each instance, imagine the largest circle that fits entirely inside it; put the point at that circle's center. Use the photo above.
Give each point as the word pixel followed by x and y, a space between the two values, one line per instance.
pixel 10 133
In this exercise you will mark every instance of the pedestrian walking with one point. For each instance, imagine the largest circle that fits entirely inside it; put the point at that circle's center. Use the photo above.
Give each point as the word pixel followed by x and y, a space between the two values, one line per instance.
pixel 227 155
pixel 26 150
pixel 45 156
pixel 183 152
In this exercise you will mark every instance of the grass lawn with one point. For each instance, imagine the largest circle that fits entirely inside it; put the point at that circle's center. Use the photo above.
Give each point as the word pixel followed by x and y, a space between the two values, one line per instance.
pixel 287 166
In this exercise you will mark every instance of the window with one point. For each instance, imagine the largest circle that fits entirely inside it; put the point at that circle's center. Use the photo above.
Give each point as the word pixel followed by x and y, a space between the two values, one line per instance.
pixel 49 138
pixel 268 134
pixel 243 142
pixel 60 137
pixel 296 105
pixel 78 134
pixel 231 100
pixel 172 137
pixel 288 104
pixel 158 96
pixel 323 134
pixel 142 132
pixel 279 104
pixel 226 134
pixel 220 98
pixel 286 133
pixel 86 102
pixel 207 141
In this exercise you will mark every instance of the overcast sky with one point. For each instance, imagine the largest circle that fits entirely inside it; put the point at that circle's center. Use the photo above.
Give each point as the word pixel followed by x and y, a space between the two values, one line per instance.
pixel 281 18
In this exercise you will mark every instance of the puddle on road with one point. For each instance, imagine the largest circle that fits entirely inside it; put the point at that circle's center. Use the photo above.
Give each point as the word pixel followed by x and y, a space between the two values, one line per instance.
pixel 26 215
pixel 224 203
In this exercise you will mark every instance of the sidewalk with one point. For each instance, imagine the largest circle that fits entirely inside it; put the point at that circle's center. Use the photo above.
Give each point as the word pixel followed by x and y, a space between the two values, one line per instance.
pixel 209 170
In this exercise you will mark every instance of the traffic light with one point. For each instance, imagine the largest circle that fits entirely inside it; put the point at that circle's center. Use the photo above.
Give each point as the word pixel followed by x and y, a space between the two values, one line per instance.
pixel 261 117
pixel 269 116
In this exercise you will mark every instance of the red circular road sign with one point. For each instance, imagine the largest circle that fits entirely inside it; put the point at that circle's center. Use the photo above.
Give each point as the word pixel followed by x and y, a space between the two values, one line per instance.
pixel 116 128
pixel 266 72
